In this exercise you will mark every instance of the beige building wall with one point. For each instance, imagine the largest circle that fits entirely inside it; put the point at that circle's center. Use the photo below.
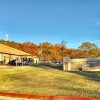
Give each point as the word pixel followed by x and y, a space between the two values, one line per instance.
pixel 0 57
pixel 76 64
pixel 35 60
pixel 5 58
pixel 8 57
pixel 14 57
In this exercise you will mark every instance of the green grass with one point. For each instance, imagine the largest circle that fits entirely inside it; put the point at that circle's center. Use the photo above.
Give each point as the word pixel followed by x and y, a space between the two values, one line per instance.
pixel 46 80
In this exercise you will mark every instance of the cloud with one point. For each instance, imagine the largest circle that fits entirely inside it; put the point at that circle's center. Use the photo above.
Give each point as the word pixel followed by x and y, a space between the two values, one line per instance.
pixel 97 23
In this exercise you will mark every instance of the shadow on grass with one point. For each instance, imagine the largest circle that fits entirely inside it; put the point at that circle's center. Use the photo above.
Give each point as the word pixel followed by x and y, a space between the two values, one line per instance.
pixel 47 66
pixel 80 91
pixel 90 75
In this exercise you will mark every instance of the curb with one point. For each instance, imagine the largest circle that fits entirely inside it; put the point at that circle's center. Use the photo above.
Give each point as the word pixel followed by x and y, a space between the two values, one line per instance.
pixel 41 97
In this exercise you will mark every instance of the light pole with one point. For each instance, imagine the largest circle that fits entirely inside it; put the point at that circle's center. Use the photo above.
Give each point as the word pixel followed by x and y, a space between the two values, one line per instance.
pixel 63 45
pixel 6 37
pixel 41 51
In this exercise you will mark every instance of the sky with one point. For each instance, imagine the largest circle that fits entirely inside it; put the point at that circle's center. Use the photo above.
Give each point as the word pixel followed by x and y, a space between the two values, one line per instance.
pixel 74 21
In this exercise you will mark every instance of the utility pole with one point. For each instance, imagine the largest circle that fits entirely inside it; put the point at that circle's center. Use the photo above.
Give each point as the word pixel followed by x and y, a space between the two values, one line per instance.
pixel 63 45
pixel 41 50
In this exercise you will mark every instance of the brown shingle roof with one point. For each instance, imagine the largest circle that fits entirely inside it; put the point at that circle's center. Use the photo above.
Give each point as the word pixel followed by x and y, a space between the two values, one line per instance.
pixel 10 50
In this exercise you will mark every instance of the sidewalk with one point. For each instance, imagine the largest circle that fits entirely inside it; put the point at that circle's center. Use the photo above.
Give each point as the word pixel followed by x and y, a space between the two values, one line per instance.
pixel 12 98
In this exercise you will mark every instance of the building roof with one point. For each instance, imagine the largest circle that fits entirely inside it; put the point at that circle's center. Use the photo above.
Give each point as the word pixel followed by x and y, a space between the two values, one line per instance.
pixel 9 50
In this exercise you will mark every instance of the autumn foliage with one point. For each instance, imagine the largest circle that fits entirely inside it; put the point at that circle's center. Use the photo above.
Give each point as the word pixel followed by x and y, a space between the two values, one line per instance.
pixel 55 52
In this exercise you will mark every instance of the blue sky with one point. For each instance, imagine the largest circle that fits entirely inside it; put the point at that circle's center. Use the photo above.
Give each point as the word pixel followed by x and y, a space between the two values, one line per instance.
pixel 74 21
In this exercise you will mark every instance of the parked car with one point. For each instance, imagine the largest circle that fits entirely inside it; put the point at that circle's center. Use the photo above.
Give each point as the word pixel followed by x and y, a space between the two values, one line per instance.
pixel 13 62
pixel 57 62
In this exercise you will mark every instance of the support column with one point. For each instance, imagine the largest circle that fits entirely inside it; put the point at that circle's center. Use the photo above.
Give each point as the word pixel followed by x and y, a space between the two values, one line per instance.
pixel 69 66
pixel 0 58
pixel 64 64
pixel 9 58
pixel 22 61
pixel 16 62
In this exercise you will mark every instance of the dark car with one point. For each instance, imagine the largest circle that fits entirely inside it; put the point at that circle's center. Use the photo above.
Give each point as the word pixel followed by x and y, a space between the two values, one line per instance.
pixel 13 62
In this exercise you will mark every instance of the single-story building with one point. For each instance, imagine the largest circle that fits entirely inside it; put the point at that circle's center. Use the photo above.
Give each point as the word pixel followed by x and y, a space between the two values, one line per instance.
pixel 8 54
pixel 81 64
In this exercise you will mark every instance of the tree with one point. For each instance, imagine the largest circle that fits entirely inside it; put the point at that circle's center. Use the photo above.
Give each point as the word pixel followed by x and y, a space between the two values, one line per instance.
pixel 94 53
pixel 86 46
pixel 44 51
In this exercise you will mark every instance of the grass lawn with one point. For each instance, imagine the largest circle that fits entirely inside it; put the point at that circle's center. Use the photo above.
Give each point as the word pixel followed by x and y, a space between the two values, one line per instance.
pixel 46 80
